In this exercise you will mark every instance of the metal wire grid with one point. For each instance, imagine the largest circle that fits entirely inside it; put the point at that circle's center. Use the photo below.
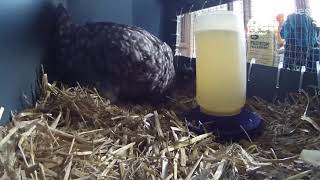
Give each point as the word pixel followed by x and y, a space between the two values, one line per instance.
pixel 262 42
pixel 299 32
pixel 301 48
pixel 185 39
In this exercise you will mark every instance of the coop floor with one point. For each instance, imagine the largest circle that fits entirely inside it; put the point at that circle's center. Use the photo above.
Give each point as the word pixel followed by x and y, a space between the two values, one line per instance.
pixel 74 133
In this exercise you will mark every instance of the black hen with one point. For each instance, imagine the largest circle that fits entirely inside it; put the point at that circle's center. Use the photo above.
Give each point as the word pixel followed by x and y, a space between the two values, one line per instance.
pixel 118 60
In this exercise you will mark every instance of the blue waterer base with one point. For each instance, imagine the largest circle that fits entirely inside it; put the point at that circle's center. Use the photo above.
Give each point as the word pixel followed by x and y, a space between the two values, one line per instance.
pixel 227 128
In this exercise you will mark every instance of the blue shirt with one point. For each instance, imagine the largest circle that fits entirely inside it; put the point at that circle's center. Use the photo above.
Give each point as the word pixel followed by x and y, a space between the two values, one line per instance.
pixel 299 30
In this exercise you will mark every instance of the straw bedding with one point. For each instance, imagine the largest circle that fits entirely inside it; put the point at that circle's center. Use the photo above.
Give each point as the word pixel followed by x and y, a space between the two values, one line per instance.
pixel 73 133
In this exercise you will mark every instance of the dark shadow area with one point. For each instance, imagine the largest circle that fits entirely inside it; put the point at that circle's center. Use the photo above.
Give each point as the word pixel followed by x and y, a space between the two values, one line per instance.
pixel 24 32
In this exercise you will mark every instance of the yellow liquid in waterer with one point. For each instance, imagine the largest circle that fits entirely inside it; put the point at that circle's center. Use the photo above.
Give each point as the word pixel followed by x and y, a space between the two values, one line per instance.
pixel 221 69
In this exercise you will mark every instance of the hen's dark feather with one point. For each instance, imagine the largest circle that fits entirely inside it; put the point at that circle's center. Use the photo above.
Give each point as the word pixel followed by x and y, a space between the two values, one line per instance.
pixel 106 54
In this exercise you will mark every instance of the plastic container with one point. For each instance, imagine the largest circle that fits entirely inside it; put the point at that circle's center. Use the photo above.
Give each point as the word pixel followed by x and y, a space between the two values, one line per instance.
pixel 221 63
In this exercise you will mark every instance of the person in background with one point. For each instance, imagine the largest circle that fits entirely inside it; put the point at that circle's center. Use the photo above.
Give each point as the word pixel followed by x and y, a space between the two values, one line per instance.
pixel 280 20
pixel 299 34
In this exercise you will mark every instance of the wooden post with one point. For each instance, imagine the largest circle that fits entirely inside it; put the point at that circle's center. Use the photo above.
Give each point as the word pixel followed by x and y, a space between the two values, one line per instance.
pixel 302 4
pixel 247 12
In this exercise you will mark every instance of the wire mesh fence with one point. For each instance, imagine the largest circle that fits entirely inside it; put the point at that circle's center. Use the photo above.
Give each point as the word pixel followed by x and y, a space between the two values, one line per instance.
pixel 185 38
pixel 276 32
pixel 290 31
